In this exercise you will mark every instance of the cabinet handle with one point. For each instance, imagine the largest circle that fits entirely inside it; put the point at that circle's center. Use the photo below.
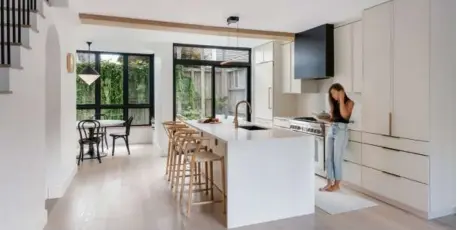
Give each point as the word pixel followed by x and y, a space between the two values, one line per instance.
pixel 269 97
pixel 391 174
pixel 390 124
pixel 391 149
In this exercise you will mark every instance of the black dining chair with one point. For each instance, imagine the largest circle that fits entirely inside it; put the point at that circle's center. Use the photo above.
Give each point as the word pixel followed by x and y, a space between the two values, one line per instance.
pixel 102 133
pixel 87 130
pixel 124 136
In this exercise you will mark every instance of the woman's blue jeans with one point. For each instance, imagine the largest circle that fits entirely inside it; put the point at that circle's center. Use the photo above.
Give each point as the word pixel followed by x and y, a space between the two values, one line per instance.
pixel 337 140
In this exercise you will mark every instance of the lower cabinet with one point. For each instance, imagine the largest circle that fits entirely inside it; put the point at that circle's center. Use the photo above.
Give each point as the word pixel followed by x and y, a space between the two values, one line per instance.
pixel 352 173
pixel 396 188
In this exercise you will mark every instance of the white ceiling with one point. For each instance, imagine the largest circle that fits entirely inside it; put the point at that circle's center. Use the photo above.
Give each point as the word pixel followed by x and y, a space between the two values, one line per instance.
pixel 141 41
pixel 278 15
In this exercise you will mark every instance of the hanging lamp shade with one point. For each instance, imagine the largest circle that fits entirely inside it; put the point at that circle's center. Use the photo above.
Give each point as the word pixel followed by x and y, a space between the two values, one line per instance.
pixel 89 74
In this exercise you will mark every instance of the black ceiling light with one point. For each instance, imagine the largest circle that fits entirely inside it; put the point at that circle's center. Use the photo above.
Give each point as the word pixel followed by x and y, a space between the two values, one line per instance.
pixel 89 74
pixel 231 20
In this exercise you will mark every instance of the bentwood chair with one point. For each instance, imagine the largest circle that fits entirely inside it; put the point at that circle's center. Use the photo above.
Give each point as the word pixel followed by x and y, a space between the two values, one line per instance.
pixel 87 129
pixel 124 136
pixel 103 134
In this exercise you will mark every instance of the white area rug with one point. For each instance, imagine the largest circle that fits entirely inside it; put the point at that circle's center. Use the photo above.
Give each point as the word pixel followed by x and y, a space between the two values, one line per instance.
pixel 340 201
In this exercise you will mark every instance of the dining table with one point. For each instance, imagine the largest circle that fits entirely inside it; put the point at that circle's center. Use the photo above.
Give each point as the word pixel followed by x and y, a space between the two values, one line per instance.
pixel 90 154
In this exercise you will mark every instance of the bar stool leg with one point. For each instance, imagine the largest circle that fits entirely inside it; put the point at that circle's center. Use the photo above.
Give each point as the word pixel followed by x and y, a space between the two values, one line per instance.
pixel 172 161
pixel 199 175
pixel 211 191
pixel 177 171
pixel 224 202
pixel 191 185
pixel 206 178
pixel 168 159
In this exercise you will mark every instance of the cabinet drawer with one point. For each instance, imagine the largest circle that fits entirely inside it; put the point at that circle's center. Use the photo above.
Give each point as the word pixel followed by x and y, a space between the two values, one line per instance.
pixel 264 122
pixel 352 173
pixel 408 165
pixel 355 136
pixel 399 189
pixel 396 143
pixel 353 152
pixel 281 122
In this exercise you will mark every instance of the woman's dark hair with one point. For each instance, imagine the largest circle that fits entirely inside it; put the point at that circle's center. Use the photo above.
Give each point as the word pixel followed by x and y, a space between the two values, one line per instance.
pixel 337 87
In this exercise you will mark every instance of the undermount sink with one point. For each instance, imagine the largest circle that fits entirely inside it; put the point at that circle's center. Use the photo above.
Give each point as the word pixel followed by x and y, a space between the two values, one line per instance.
pixel 251 127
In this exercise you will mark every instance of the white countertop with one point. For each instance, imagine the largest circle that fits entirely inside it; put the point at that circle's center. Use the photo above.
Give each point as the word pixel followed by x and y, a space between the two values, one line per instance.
pixel 227 132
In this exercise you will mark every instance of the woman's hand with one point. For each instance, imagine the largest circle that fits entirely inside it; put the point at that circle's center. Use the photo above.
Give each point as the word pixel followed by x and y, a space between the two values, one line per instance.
pixel 341 96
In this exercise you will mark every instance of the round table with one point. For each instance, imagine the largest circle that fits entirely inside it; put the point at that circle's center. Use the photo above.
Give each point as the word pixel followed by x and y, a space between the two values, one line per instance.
pixel 103 124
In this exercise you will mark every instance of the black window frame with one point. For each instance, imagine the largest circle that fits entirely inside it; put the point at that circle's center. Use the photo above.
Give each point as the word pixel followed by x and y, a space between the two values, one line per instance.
pixel 214 65
pixel 125 106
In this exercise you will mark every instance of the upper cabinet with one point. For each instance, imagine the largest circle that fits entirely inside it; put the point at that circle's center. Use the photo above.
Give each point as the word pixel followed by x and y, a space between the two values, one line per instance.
pixel 411 69
pixel 264 53
pixel 348 56
pixel 357 57
pixel 343 56
pixel 289 83
pixel 377 69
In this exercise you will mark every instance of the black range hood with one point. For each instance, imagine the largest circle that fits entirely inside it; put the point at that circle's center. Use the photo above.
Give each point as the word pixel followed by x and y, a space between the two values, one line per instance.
pixel 314 53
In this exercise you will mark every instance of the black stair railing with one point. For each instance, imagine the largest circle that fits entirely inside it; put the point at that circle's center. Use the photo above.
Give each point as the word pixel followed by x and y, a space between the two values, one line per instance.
pixel 14 15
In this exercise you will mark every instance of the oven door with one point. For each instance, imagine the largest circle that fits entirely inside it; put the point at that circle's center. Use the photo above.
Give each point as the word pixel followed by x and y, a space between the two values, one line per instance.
pixel 319 156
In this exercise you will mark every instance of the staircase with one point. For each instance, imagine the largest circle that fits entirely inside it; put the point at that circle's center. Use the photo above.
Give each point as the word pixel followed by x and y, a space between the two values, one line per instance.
pixel 19 20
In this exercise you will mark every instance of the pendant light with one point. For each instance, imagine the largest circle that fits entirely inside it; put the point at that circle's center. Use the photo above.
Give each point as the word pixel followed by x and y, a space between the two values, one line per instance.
pixel 231 20
pixel 89 74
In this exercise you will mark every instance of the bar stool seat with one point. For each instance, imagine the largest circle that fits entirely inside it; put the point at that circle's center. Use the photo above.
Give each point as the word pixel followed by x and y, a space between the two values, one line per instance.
pixel 206 156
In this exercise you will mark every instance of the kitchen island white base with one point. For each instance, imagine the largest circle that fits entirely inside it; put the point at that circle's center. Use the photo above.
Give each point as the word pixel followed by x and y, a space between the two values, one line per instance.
pixel 269 180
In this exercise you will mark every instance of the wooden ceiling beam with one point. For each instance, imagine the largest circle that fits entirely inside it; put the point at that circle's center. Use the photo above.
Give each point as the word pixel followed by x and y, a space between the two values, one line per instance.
pixel 135 23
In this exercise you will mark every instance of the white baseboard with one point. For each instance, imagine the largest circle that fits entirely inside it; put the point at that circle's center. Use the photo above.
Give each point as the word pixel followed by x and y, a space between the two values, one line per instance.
pixel 441 213
pixel 59 190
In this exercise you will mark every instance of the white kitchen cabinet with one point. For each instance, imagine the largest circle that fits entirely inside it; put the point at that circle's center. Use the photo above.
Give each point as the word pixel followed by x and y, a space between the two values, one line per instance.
pixel 264 53
pixel 343 56
pixel 357 57
pixel 377 68
pixel 352 173
pixel 263 90
pixel 411 71
pixel 289 83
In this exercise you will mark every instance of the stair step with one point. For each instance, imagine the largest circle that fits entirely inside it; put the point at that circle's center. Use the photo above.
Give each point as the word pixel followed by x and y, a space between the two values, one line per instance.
pixel 25 34
pixel 25 11
pixel 23 26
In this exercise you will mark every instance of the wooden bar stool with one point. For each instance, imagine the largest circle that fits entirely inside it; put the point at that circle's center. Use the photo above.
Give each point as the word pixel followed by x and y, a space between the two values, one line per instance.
pixel 184 142
pixel 171 127
pixel 195 159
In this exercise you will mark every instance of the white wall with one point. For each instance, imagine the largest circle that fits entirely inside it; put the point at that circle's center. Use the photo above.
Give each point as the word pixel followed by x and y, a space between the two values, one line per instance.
pixel 442 95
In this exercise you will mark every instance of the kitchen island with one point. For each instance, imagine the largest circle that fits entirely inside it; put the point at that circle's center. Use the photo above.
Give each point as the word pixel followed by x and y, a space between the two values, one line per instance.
pixel 269 172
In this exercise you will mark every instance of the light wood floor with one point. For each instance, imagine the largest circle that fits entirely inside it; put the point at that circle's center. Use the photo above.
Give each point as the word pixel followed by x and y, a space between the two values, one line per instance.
pixel 130 193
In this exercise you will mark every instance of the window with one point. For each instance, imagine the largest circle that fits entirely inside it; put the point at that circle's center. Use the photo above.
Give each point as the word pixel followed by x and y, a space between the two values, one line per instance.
pixel 124 88
pixel 209 81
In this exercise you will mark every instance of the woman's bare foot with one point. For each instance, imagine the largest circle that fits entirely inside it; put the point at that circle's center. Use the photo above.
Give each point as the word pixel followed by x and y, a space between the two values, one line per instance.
pixel 326 188
pixel 333 188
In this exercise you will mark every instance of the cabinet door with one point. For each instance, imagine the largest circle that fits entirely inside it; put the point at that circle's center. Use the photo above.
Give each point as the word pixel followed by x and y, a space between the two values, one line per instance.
pixel 411 69
pixel 286 67
pixel 268 52
pixel 263 90
pixel 377 68
pixel 258 54
pixel 357 57
pixel 343 56
pixel 295 84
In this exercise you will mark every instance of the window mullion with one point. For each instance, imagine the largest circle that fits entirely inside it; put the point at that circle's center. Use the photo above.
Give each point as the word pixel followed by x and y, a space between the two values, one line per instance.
pixel 97 87
pixel 125 89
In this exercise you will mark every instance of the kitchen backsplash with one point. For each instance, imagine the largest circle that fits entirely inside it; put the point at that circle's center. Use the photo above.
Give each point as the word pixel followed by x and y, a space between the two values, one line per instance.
pixel 318 102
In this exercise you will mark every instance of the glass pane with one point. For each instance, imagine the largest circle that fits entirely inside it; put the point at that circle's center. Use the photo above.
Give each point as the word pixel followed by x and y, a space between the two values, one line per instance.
pixel 230 89
pixel 84 114
pixel 112 114
pixel 111 74
pixel 197 53
pixel 140 116
pixel 85 94
pixel 139 79
pixel 193 91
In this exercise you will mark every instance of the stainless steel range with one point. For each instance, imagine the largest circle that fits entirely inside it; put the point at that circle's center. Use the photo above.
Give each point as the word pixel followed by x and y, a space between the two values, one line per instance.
pixel 311 126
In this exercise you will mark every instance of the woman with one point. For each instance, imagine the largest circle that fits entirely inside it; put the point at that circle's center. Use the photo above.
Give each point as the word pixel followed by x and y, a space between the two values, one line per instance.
pixel 337 138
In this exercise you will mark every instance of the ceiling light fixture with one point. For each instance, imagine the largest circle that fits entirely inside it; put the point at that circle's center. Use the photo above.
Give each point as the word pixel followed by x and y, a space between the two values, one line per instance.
pixel 89 74
pixel 231 20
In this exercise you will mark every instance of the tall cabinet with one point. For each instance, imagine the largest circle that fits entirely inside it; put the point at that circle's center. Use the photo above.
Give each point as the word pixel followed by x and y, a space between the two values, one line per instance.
pixel 377 69
pixel 268 97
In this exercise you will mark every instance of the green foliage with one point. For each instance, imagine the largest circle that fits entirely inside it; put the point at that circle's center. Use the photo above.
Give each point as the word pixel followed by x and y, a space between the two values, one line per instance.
pixel 187 95
pixel 111 80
